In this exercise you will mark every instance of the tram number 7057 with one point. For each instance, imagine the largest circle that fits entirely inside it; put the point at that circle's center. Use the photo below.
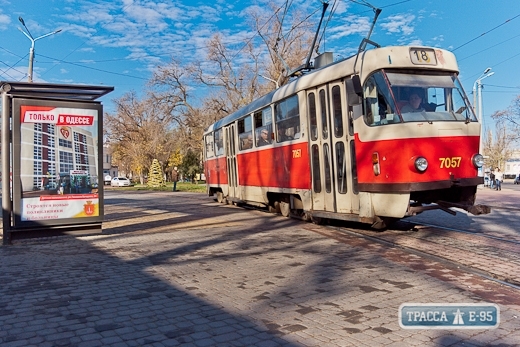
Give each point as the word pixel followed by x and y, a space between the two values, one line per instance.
pixel 450 162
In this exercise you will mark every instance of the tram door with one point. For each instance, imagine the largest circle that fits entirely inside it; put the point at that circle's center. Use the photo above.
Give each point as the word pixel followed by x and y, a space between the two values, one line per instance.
pixel 231 161
pixel 329 149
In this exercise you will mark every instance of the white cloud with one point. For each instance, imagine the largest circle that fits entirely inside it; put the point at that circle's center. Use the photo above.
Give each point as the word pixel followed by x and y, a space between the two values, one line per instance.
pixel 349 25
pixel 4 21
pixel 399 24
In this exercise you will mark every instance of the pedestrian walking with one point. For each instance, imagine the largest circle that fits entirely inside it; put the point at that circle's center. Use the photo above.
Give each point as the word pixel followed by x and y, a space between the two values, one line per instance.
pixel 175 178
pixel 499 177
pixel 491 179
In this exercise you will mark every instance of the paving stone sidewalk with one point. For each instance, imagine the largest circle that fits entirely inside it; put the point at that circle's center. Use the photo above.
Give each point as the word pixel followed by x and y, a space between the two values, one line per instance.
pixel 181 270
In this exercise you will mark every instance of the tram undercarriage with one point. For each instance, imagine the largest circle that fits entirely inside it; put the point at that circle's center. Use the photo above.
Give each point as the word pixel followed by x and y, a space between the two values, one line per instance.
pixel 445 199
pixel 372 210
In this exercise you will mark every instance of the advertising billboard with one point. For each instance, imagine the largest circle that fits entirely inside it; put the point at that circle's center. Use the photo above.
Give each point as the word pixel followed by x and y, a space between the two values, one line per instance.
pixel 57 160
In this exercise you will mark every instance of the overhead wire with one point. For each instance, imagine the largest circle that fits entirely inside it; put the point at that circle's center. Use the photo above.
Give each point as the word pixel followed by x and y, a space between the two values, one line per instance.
pixel 487 32
pixel 286 8
pixel 5 72
pixel 483 50
pixel 12 67
pixel 95 69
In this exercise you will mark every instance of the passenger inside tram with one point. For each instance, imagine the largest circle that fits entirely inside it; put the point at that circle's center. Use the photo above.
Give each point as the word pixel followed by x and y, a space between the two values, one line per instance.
pixel 263 139
pixel 247 142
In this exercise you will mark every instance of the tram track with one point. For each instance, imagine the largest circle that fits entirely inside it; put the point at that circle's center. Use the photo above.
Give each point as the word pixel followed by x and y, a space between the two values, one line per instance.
pixel 488 257
pixel 410 242
pixel 516 242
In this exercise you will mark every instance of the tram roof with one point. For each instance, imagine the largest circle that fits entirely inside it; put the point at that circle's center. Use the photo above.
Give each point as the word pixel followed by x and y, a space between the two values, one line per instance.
pixel 255 105
pixel 368 61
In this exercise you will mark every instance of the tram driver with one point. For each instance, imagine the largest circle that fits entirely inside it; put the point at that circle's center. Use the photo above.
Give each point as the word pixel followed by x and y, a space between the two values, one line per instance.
pixel 414 103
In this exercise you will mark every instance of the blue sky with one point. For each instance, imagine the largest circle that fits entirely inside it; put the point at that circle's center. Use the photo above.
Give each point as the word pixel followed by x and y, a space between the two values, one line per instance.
pixel 119 43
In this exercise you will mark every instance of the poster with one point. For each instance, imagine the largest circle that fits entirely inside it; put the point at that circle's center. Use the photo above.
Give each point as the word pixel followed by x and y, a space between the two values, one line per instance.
pixel 58 159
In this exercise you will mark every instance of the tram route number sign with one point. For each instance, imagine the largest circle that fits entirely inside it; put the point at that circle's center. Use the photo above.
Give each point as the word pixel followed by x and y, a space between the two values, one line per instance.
pixel 423 56
pixel 449 316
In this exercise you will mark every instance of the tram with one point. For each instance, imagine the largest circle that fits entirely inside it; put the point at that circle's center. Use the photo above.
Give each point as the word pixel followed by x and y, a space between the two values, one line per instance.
pixel 343 142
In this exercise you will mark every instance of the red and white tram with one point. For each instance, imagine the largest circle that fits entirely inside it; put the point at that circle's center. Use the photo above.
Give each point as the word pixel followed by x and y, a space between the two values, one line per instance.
pixel 342 143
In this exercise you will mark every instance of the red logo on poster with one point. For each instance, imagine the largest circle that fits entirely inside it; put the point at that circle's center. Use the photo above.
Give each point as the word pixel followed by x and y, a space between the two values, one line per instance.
pixel 89 208
pixel 65 132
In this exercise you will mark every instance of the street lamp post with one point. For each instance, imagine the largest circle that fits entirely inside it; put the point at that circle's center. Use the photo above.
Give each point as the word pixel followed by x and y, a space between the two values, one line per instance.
pixel 33 40
pixel 477 89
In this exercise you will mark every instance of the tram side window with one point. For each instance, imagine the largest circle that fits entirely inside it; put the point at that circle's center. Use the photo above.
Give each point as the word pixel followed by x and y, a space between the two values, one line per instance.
pixel 219 142
pixel 323 108
pixel 337 111
pixel 378 106
pixel 312 116
pixel 245 133
pixel 316 176
pixel 341 169
pixel 287 119
pixel 210 153
pixel 326 161
pixel 263 126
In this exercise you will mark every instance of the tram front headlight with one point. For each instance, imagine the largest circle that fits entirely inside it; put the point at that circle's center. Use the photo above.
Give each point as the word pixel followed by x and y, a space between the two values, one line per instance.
pixel 421 164
pixel 478 160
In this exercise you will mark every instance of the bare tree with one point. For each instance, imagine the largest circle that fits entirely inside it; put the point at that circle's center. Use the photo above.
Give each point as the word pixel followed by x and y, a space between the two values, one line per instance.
pixel 286 37
pixel 231 75
pixel 497 146
pixel 138 132
pixel 511 116
pixel 171 119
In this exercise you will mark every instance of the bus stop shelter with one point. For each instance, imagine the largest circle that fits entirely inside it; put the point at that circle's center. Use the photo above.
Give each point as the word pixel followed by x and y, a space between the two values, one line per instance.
pixel 52 151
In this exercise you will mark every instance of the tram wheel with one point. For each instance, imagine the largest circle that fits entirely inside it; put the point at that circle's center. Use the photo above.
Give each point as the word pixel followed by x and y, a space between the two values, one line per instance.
pixel 306 216
pixel 383 223
pixel 318 220
pixel 276 207
pixel 285 208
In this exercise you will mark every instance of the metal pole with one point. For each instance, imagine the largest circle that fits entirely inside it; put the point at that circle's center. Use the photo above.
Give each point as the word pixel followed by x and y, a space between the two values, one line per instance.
pixel 6 167
pixel 479 87
pixel 31 51
pixel 475 97
pixel 31 60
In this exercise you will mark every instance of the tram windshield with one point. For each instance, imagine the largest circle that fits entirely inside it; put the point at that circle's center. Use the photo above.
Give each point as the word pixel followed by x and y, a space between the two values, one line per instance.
pixel 391 97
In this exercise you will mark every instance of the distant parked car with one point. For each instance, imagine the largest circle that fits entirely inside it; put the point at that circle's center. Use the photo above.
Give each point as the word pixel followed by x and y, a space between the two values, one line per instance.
pixel 120 182
pixel 517 180
pixel 107 179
